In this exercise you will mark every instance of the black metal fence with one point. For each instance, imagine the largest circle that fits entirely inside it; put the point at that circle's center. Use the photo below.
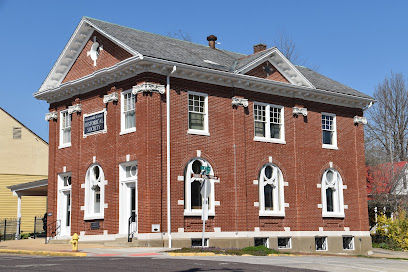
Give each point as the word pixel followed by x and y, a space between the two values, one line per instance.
pixel 40 226
pixel 8 228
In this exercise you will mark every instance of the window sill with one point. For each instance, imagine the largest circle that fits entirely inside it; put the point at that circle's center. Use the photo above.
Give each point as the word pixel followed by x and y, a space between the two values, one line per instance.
pixel 64 146
pixel 269 140
pixel 335 215
pixel 198 132
pixel 326 146
pixel 127 131
pixel 271 214
pixel 198 213
pixel 93 217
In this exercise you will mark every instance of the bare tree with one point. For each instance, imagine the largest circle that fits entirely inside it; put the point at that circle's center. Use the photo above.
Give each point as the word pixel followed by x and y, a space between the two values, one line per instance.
pixel 181 35
pixel 288 47
pixel 388 119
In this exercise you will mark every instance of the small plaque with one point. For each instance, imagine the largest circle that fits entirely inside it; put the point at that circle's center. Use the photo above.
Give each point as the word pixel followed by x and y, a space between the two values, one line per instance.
pixel 94 123
pixel 95 226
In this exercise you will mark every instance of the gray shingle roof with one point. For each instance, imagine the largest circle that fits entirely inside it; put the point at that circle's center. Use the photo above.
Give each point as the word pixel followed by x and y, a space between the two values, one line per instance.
pixel 162 47
pixel 325 83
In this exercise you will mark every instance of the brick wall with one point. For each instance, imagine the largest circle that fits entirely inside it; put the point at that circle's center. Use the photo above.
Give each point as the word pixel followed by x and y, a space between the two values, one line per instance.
pixel 302 159
pixel 84 65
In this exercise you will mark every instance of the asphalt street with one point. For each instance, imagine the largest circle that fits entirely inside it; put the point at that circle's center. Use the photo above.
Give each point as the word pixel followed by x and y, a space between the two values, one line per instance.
pixel 98 264
pixel 196 264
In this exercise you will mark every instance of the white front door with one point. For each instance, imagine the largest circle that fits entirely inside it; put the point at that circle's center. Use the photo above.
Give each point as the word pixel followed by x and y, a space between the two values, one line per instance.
pixel 128 208
pixel 65 212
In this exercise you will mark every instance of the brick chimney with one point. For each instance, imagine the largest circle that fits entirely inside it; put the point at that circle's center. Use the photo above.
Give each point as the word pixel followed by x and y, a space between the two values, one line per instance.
pixel 259 47
pixel 211 41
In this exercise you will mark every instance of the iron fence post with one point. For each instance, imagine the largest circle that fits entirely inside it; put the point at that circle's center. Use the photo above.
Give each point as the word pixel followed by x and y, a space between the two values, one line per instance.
pixel 35 224
pixel 5 228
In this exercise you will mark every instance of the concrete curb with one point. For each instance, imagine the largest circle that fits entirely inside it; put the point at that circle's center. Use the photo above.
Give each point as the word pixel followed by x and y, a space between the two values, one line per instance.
pixel 194 254
pixel 43 253
pixel 213 254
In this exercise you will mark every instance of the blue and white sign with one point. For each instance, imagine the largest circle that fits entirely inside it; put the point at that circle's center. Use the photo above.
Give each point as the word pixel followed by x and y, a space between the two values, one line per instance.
pixel 94 123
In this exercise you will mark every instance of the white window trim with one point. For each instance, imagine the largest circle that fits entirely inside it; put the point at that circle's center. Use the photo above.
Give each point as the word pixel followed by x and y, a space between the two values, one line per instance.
pixel 278 195
pixel 338 199
pixel 327 243
pixel 89 213
pixel 61 144
pixel 267 138
pixel 205 131
pixel 100 131
pixel 352 241
pixel 334 145
pixel 187 187
pixel 122 115
pixel 290 242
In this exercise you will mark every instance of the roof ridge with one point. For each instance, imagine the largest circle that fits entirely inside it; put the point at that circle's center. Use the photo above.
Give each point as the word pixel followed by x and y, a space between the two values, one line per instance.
pixel 167 37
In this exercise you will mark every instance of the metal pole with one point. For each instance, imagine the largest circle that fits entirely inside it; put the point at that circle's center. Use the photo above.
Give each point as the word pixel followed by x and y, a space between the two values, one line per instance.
pixel 35 223
pixel 5 228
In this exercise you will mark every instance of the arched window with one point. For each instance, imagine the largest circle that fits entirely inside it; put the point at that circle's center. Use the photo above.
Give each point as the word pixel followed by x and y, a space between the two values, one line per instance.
pixel 94 192
pixel 332 194
pixel 192 187
pixel 271 198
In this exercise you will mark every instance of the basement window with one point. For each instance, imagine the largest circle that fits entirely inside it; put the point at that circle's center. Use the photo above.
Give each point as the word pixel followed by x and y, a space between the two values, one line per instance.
pixel 348 242
pixel 199 242
pixel 321 243
pixel 16 132
pixel 284 242
pixel 261 241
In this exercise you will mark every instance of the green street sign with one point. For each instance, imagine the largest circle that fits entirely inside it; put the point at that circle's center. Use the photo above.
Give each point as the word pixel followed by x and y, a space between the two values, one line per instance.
pixel 207 169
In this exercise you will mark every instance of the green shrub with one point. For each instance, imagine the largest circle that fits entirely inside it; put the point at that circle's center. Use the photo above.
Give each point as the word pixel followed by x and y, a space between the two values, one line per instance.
pixel 25 235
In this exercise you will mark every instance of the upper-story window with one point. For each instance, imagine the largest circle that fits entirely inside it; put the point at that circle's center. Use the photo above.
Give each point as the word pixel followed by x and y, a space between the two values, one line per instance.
pixel 332 194
pixel 65 129
pixel 128 117
pixel 269 123
pixel 198 113
pixel 271 198
pixel 329 130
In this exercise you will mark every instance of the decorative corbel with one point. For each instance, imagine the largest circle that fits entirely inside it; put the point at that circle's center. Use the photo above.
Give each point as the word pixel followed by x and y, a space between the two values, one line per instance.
pixel 74 108
pixel 110 97
pixel 300 111
pixel 51 115
pixel 360 120
pixel 236 101
pixel 148 87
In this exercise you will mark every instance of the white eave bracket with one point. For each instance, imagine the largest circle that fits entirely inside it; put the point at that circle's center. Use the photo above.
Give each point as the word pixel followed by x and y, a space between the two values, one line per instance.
pixel 360 120
pixel 148 87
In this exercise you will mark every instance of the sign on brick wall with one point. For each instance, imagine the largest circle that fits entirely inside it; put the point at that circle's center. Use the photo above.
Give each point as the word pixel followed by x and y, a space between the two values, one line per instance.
pixel 94 123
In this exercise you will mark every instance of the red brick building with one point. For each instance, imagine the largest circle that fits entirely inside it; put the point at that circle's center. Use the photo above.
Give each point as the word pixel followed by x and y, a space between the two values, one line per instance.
pixel 285 145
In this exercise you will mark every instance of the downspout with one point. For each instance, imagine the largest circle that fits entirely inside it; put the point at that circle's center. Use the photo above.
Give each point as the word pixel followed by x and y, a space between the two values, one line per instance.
pixel 168 152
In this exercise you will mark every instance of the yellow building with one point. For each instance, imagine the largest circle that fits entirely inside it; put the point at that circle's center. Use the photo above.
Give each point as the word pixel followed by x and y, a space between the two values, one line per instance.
pixel 23 159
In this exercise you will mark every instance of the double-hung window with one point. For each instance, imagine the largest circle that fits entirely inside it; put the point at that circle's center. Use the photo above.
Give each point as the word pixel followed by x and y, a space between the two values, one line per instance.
pixel 329 130
pixel 128 116
pixel 65 129
pixel 198 113
pixel 269 123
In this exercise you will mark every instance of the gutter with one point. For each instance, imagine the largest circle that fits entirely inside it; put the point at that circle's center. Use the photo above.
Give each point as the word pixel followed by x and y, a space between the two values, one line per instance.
pixel 168 153
pixel 269 86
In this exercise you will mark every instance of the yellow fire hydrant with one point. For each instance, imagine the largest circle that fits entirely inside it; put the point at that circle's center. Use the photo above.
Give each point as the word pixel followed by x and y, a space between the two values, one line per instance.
pixel 74 242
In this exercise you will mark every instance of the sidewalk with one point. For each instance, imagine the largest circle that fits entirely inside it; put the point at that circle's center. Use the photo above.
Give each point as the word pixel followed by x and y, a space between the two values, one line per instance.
pixel 38 247
pixel 385 253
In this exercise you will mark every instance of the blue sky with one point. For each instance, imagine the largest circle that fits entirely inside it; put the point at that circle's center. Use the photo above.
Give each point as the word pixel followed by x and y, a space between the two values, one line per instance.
pixel 355 42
